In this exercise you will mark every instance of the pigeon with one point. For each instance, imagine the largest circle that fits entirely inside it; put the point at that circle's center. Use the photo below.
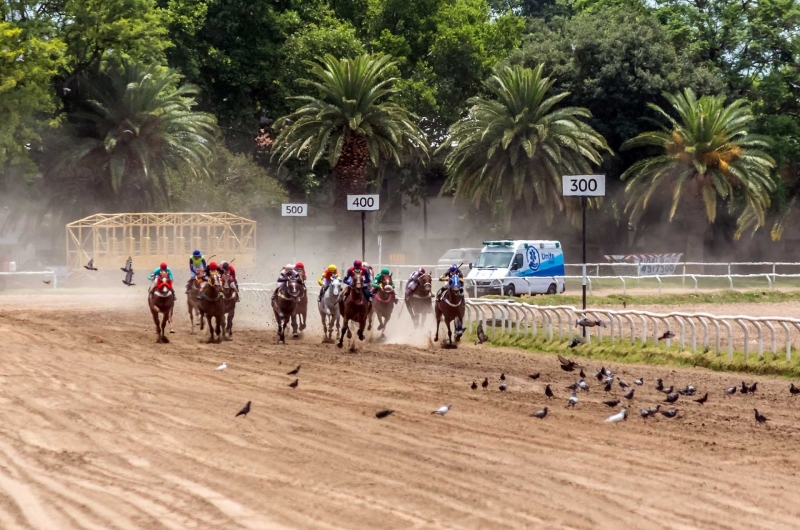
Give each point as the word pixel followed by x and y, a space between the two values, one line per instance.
pixel 659 385
pixel 474 385
pixel 573 387
pixel 582 374
pixel 793 390
pixel 90 266
pixel 622 383
pixel 383 413
pixel 221 367
pixel 575 343
pixel 128 265
pixel 294 372
pixel 503 376
pixel 503 387
pixel 671 413
pixel 481 335
pixel 568 365
pixel 760 418
pixel 548 392
pixel 639 382
pixel 745 389
pixel 540 414
pixel 294 383
pixel 608 387
pixel 485 383
pixel 622 415
pixel 573 400
pixel 47 282
pixel 613 403
pixel 583 386
pixel 731 391
pixel 534 376
pixel 245 410
pixel 441 411
pixel 128 278
pixel 668 390
pixel 654 410
pixel 753 387
pixel 667 335
pixel 586 323
pixel 688 391
pixel 599 375
pixel 671 398
pixel 645 414
pixel 702 400
pixel 629 395
pixel 609 380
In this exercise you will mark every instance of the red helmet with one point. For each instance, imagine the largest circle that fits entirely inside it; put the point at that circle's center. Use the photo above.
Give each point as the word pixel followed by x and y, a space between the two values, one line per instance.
pixel 300 265
pixel 163 266
pixel 357 264
pixel 212 266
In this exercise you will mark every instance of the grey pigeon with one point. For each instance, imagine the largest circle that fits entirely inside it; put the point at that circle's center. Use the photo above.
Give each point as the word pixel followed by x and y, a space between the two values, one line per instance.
pixel 540 414
pixel 245 410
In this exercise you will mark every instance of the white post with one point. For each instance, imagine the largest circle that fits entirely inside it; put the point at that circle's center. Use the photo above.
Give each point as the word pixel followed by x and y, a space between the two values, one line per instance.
pixel 380 253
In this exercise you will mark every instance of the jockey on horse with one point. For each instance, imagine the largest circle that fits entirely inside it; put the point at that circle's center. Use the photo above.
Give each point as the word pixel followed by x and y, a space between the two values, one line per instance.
pixel 413 281
pixel 348 280
pixel 326 278
pixel 300 269
pixel 197 266
pixel 454 270
pixel 227 268
pixel 377 283
pixel 157 275
pixel 287 273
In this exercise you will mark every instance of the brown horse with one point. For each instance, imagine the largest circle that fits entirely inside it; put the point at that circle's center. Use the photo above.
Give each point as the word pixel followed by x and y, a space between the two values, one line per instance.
pixel 161 302
pixel 354 307
pixel 383 301
pixel 191 303
pixel 228 306
pixel 209 304
pixel 452 306
pixel 285 306
pixel 418 302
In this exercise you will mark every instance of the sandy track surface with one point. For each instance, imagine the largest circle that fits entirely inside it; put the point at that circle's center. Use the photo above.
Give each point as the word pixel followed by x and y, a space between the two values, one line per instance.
pixel 104 429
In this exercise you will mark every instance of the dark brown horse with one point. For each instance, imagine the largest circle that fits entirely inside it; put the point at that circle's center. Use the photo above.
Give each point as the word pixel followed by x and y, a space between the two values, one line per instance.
pixel 354 307
pixel 209 304
pixel 383 301
pixel 418 302
pixel 451 307
pixel 228 306
pixel 285 306
pixel 161 302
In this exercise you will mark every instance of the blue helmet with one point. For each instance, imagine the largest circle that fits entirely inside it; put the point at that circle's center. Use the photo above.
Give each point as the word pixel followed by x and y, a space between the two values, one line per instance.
pixel 196 253
pixel 453 266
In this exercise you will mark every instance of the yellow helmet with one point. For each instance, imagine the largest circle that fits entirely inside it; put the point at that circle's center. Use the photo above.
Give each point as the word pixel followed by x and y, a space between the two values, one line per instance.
pixel 332 268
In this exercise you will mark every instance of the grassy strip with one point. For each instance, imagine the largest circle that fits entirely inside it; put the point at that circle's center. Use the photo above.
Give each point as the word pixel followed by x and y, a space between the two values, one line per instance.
pixel 628 353
pixel 709 297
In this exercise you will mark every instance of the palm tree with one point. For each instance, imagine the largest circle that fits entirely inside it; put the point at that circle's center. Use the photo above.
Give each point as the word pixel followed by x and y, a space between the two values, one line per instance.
pixel 517 145
pixel 350 123
pixel 134 124
pixel 705 156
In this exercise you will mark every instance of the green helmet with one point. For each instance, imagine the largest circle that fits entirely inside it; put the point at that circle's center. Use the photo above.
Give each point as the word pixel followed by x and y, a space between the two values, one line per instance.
pixel 385 272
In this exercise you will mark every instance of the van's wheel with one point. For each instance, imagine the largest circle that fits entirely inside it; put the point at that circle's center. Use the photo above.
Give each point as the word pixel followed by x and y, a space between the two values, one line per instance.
pixel 552 289
pixel 510 291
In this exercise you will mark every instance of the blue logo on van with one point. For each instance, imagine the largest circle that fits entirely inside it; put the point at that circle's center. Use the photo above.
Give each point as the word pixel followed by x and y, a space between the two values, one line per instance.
pixel 533 258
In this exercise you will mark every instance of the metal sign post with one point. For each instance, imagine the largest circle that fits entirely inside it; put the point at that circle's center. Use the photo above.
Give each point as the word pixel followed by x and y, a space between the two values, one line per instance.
pixel 583 186
pixel 363 204
pixel 294 210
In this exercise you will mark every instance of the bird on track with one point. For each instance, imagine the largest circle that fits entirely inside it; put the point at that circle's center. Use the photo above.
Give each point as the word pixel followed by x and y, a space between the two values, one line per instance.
pixel 622 415
pixel 760 418
pixel 577 341
pixel 47 282
pixel 730 391
pixel 622 383
pixel 481 335
pixel 745 389
pixel 568 365
pixel 441 411
pixel 659 385
pixel 534 376
pixel 601 374
pixel 639 382
pixel 613 403
pixel 573 400
pixel 294 383
pixel 608 387
pixel 540 414
pixel 582 374
pixel 503 387
pixel 645 413
pixel 586 323
pixel 245 410
pixel 548 392
pixel 128 278
pixel 688 391
pixel 629 395
pixel 793 390
pixel 474 385
pixel 295 371
pixel 503 376
pixel 383 413
pixel 671 413
pixel 485 383
pixel 90 266
pixel 223 366
pixel 128 265
pixel 583 386
pixel 667 335
pixel 654 410
pixel 753 387
pixel 668 390
pixel 671 398
pixel 702 400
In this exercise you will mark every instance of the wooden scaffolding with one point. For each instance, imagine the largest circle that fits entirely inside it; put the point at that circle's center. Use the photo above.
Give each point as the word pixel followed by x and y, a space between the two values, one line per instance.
pixel 150 238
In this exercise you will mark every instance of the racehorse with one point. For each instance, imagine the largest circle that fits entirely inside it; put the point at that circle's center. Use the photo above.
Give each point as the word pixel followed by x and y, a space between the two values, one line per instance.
pixel 161 301
pixel 452 307
pixel 191 303
pixel 228 306
pixel 209 304
pixel 383 301
pixel 355 307
pixel 418 302
pixel 329 309
pixel 285 306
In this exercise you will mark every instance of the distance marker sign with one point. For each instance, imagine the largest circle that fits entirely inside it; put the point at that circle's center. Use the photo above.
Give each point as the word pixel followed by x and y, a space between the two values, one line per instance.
pixel 583 185
pixel 363 202
pixel 294 210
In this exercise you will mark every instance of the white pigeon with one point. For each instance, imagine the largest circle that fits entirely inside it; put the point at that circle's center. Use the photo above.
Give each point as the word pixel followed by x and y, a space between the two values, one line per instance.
pixel 441 411
pixel 623 415
pixel 572 400
pixel 221 367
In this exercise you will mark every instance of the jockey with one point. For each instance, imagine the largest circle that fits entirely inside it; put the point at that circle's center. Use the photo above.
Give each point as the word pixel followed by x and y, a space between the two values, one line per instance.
pixel 379 278
pixel 287 273
pixel 212 269
pixel 300 269
pixel 164 280
pixel 454 270
pixel 326 278
pixel 158 274
pixel 348 279
pixel 228 269
pixel 413 280
pixel 197 265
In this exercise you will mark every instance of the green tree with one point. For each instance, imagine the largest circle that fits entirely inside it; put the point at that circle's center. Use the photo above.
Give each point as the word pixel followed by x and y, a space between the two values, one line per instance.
pixel 516 146
pixel 705 156
pixel 133 125
pixel 350 123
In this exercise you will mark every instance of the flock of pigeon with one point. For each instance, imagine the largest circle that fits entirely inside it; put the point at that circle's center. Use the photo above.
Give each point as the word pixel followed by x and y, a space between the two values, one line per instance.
pixel 246 409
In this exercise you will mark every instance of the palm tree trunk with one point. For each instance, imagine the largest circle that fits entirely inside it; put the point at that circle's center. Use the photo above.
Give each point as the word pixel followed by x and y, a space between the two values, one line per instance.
pixel 350 178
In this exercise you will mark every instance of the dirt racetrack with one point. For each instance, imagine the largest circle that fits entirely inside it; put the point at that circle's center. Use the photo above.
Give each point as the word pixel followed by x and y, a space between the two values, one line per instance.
pixel 104 429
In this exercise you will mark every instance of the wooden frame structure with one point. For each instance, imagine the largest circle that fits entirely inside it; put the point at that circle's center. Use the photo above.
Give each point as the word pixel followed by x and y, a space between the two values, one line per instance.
pixel 150 238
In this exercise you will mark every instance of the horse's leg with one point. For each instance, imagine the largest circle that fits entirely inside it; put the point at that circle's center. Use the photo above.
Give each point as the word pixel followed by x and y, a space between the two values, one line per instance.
pixel 230 322
pixel 438 318
pixel 171 311
pixel 361 326
pixel 345 329
pixel 294 326
pixel 459 328
pixel 164 321
pixel 154 312
pixel 191 318
pixel 449 333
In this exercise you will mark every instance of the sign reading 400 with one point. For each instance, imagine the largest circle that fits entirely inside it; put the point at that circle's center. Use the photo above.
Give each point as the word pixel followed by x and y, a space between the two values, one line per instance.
pixel 363 202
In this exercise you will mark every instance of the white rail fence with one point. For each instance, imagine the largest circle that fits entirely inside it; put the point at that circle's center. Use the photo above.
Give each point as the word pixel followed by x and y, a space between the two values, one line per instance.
pixel 724 268
pixel 4 276
pixel 559 323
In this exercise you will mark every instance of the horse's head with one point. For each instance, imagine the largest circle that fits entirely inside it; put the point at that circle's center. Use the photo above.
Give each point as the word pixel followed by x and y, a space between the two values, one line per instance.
pixel 456 284
pixel 425 282
pixel 293 288
pixel 358 279
pixel 386 284
pixel 336 287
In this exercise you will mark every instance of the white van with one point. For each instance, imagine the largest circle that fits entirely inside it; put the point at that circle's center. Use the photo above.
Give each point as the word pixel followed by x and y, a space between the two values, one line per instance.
pixel 519 267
